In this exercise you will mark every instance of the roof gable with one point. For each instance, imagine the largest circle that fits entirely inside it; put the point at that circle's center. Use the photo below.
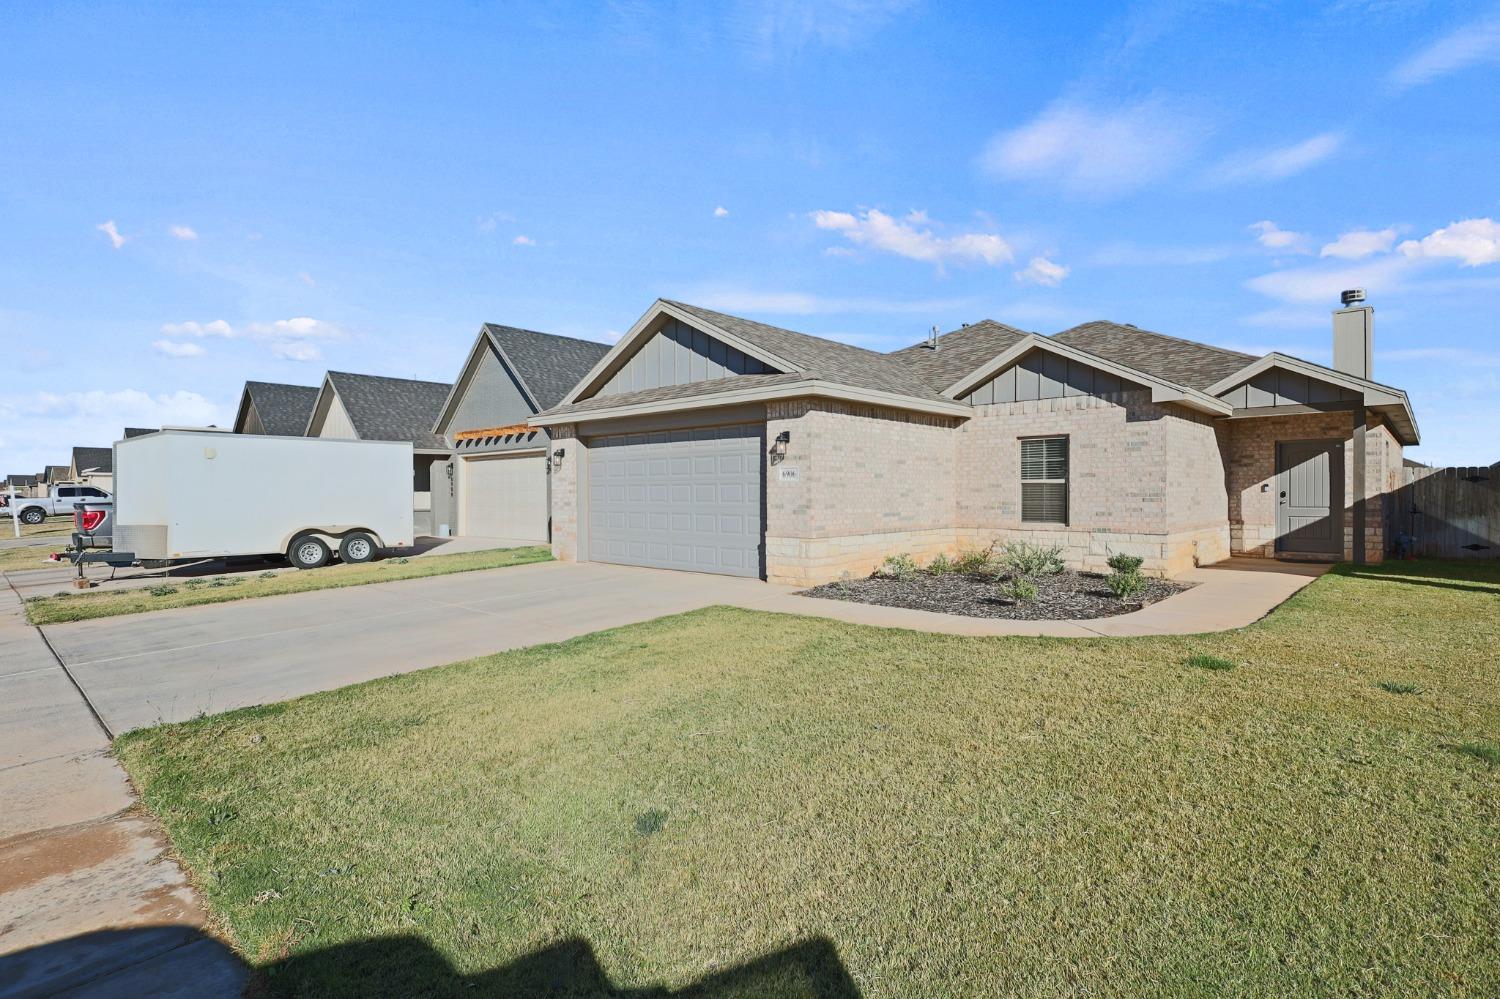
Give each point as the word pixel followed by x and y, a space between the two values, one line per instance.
pixel 391 409
pixel 681 354
pixel 1185 362
pixel 958 352
pixel 284 410
pixel 541 367
pixel 100 459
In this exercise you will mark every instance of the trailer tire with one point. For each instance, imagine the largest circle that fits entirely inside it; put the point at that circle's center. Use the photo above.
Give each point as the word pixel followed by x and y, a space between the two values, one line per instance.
pixel 33 515
pixel 308 552
pixel 356 548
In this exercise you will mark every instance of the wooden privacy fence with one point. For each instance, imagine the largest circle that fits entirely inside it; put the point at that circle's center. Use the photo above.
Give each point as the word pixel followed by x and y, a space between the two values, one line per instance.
pixel 1447 512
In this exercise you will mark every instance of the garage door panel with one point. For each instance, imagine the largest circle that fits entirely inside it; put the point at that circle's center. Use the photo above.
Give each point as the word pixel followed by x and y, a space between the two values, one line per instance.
pixel 684 499
pixel 505 497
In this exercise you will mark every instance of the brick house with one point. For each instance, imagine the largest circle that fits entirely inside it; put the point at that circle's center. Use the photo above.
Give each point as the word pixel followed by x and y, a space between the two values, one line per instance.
pixel 708 442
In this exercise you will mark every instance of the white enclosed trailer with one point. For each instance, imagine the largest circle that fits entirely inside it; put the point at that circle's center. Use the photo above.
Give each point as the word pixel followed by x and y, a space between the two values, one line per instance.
pixel 192 494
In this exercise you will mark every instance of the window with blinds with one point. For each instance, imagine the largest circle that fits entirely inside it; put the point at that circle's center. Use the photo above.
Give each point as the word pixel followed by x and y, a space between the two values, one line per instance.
pixel 1044 480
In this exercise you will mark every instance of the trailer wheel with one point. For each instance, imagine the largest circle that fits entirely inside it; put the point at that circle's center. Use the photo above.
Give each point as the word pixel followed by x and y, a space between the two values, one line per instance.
pixel 357 547
pixel 33 515
pixel 308 553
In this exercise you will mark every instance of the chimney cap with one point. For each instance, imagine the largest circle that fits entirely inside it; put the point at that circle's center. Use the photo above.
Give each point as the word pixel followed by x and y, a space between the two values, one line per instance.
pixel 1352 295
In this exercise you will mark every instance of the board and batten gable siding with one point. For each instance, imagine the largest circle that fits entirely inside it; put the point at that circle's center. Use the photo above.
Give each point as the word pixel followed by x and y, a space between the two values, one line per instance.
pixel 1278 387
pixel 332 420
pixel 253 425
pixel 493 398
pixel 1040 375
pixel 679 354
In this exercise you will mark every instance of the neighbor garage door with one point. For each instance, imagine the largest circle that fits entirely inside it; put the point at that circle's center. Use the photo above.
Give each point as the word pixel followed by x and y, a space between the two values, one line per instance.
pixel 681 499
pixel 505 497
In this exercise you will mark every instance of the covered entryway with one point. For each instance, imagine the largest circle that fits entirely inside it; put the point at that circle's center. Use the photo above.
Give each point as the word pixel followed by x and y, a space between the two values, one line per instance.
pixel 678 499
pixel 505 496
pixel 1310 497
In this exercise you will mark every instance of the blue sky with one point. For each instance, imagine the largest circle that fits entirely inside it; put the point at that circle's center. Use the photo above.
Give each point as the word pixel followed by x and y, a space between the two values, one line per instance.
pixel 190 197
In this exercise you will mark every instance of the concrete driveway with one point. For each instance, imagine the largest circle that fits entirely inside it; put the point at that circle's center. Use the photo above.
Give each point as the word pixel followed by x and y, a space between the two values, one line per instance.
pixel 143 669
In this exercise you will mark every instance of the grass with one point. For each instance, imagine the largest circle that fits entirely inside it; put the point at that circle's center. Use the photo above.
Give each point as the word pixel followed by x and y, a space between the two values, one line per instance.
pixel 32 557
pixel 1399 687
pixel 1203 661
pixel 221 589
pixel 737 803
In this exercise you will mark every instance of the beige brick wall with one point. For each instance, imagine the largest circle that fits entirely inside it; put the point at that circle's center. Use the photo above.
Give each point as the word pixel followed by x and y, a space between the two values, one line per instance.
pixel 1253 495
pixel 564 485
pixel 870 482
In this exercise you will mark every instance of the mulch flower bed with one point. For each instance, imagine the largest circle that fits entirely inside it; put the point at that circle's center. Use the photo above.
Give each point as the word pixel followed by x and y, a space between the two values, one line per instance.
pixel 1065 596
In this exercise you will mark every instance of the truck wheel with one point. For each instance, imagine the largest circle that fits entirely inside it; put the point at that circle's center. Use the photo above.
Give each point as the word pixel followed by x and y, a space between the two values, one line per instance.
pixel 356 548
pixel 308 553
pixel 33 515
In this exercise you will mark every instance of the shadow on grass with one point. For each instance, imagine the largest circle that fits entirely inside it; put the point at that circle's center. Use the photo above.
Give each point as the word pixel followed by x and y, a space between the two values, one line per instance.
pixel 187 962
pixel 1477 576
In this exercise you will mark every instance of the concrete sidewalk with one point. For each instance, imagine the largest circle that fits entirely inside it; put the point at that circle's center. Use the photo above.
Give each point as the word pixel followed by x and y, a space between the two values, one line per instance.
pixel 76 859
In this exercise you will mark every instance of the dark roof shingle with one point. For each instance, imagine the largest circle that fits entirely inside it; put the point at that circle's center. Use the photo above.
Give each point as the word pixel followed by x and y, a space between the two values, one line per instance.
pixel 548 364
pixel 392 409
pixel 1185 362
pixel 100 459
pixel 283 409
pixel 829 360
pixel 686 390
pixel 960 352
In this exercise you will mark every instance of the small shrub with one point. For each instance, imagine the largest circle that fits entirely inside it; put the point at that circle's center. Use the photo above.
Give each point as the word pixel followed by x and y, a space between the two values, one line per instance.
pixel 1203 661
pixel 1398 687
pixel 401 560
pixel 1121 562
pixel 1487 752
pixel 194 583
pixel 268 574
pixel 650 821
pixel 1026 559
pixel 941 566
pixel 225 581
pixel 902 567
pixel 976 562
pixel 1125 585
pixel 1021 589
pixel 161 591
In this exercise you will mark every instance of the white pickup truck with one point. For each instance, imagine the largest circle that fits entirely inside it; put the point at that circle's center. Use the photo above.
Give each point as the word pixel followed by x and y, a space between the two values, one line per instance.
pixel 59 503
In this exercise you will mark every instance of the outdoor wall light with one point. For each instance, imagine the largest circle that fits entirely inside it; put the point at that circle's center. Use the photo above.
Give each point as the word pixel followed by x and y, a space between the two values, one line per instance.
pixel 557 457
pixel 778 446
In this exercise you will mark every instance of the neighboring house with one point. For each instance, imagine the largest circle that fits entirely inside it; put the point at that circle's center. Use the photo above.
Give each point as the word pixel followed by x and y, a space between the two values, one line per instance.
pixel 275 410
pixel 139 431
pixel 374 408
pixel 54 474
pixel 708 442
pixel 93 466
pixel 496 482
pixel 23 485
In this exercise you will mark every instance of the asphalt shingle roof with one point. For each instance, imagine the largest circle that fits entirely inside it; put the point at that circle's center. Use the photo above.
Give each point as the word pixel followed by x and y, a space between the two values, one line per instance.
pixel 56 473
pixel 283 409
pixel 959 352
pixel 688 390
pixel 1185 362
pixel 99 458
pixel 829 360
pixel 392 409
pixel 137 432
pixel 550 365
pixel 21 480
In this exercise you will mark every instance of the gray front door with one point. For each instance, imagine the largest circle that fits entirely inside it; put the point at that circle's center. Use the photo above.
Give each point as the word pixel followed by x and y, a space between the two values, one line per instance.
pixel 1310 497
pixel 678 499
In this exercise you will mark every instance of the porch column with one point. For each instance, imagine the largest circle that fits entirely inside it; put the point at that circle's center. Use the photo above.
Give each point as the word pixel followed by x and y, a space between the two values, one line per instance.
pixel 1358 481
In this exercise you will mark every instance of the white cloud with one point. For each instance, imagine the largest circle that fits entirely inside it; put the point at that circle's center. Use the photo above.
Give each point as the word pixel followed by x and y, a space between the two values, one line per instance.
pixel 488 223
pixel 296 350
pixel 1273 237
pixel 1472 241
pixel 613 336
pixel 523 241
pixel 913 238
pixel 109 229
pixel 1094 151
pixel 177 348
pixel 217 327
pixel 1042 271
pixel 776 26
pixel 184 232
pixel 42 426
pixel 1360 243
pixel 1321 283
pixel 300 328
pixel 1279 163
pixel 720 212
pixel 1468 46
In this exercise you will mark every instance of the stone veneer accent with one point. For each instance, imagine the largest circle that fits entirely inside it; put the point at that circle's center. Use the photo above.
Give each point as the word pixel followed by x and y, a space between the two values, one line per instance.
pixel 1251 449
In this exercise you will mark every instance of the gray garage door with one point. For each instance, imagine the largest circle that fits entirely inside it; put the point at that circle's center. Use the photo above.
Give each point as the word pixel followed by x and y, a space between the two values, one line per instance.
pixel 680 499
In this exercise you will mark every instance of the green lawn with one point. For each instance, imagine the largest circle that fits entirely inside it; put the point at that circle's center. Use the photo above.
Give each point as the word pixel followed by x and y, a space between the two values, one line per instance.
pixel 737 803
pixel 178 592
